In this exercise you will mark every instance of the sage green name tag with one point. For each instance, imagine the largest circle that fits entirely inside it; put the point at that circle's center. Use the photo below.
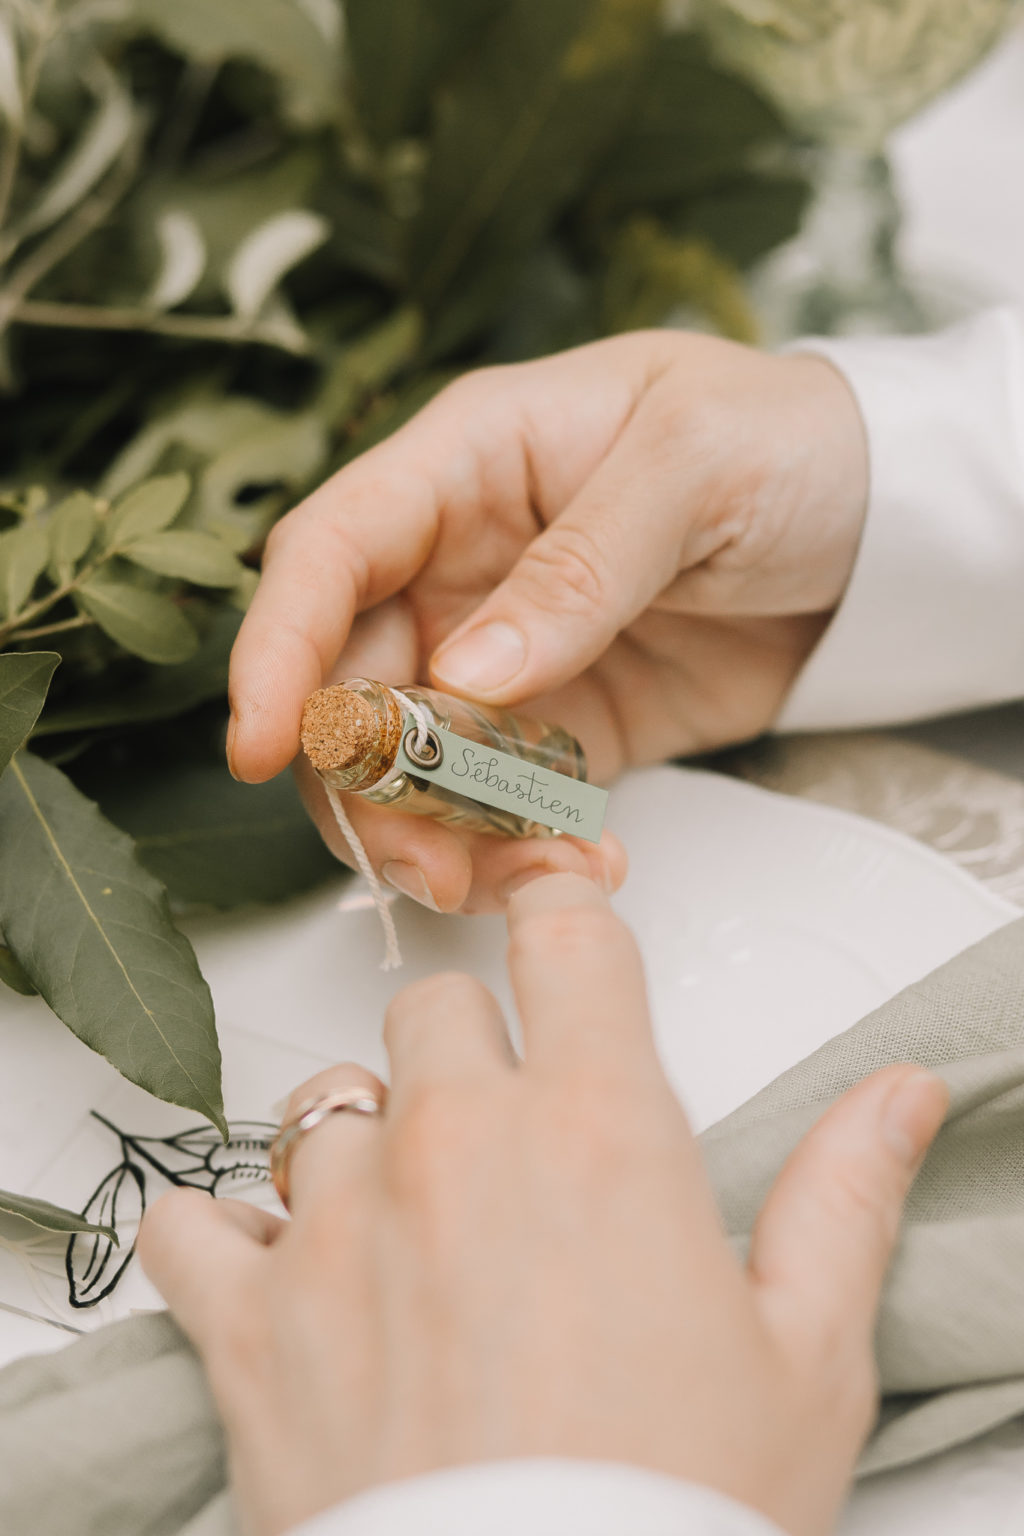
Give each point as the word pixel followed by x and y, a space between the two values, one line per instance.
pixel 510 783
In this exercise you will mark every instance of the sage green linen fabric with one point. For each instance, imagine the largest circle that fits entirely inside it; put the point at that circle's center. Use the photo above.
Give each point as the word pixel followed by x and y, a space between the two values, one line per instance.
pixel 950 1340
pixel 117 1436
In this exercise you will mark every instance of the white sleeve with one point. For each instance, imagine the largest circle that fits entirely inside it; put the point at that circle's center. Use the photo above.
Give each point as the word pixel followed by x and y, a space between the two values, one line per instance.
pixel 932 620
pixel 540 1498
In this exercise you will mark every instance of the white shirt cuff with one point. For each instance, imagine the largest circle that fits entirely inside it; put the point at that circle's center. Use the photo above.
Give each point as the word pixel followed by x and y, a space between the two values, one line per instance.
pixel 932 620
pixel 540 1498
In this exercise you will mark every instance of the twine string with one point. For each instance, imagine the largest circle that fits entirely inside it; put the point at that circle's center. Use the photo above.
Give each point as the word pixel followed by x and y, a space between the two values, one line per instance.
pixel 419 714
pixel 392 953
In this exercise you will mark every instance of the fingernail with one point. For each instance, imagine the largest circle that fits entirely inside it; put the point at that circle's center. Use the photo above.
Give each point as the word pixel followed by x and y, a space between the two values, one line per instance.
pixel 483 660
pixel 229 747
pixel 912 1114
pixel 411 881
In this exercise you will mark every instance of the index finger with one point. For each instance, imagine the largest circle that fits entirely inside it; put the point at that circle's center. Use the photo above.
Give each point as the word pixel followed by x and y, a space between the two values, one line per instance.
pixel 354 542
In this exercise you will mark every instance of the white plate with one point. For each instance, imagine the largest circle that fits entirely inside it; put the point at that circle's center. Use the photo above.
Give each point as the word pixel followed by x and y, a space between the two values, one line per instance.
pixel 768 925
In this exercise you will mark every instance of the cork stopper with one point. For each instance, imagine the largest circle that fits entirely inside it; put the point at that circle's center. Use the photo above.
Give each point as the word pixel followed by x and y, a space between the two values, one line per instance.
pixel 339 729
pixel 341 732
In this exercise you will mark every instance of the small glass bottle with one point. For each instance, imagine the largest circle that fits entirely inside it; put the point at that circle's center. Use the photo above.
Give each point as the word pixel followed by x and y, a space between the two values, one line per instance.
pixel 351 733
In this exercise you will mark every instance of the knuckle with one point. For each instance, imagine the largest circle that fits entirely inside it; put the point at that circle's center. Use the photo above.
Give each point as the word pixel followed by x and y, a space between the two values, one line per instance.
pixel 695 417
pixel 435 1122
pixel 347 554
pixel 587 1126
pixel 440 1135
pixel 596 1134
pixel 334 1223
pixel 855 1195
pixel 469 388
pixel 446 991
pixel 684 427
pixel 571 935
pixel 282 532
pixel 325 528
pixel 567 569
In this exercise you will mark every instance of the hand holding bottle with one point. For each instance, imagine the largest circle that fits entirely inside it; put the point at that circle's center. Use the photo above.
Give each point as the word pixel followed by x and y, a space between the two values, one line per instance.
pixel 641 539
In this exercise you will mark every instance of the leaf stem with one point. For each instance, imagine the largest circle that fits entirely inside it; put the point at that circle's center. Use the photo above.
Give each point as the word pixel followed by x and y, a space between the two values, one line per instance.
pixel 43 605
pixel 88 317
pixel 81 621
pixel 61 241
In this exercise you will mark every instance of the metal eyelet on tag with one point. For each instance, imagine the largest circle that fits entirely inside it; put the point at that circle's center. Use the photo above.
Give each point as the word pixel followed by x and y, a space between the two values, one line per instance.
pixel 429 755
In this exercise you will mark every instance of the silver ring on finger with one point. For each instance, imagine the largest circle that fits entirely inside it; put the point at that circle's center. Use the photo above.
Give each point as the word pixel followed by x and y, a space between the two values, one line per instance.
pixel 356 1101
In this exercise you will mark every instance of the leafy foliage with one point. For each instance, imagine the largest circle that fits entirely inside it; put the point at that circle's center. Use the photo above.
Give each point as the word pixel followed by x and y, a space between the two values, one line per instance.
pixel 52 1218
pixel 127 983
pixel 240 241
pixel 24 680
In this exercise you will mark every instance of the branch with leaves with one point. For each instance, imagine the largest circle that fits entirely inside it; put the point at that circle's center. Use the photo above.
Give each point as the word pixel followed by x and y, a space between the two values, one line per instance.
pixel 89 555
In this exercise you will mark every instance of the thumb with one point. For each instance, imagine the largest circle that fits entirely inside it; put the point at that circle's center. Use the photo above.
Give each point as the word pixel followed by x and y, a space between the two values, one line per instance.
pixel 826 1234
pixel 584 578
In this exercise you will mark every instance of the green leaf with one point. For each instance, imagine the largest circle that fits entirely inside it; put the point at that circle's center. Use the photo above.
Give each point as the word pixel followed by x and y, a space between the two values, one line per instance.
pixel 399 50
pixel 693 125
pixel 551 308
pixel 182 259
pixel 13 975
pixel 282 456
pixel 11 103
pixel 296 43
pixel 267 253
pixel 747 218
pixel 147 508
pixel 520 129
pixel 52 1218
pixel 103 140
pixel 368 363
pixel 162 693
pixel 185 553
pixel 236 446
pixel 225 207
pixel 145 623
pixel 71 529
pixel 93 931
pixel 198 430
pixel 214 842
pixel 366 236
pixel 24 552
pixel 24 681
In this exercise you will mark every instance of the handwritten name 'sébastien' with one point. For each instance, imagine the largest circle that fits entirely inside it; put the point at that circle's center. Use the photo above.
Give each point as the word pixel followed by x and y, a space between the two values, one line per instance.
pixel 528 787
